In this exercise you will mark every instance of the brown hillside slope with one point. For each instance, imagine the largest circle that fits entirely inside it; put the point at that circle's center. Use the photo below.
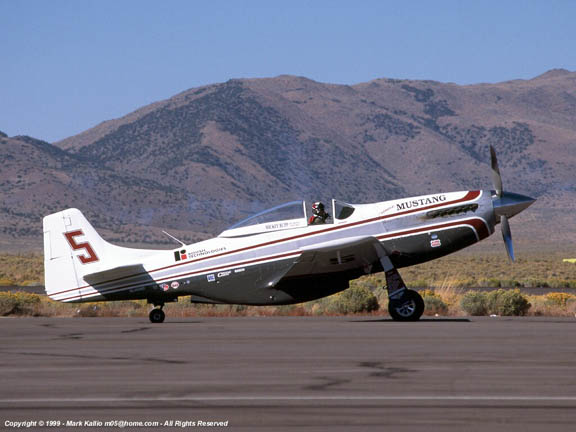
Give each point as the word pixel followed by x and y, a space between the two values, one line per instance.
pixel 226 150
pixel 38 178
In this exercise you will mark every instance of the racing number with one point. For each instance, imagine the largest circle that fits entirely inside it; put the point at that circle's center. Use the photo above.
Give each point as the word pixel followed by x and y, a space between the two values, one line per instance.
pixel 79 246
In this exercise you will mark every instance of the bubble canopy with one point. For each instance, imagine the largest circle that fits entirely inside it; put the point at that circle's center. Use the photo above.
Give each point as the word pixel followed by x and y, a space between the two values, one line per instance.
pixel 284 216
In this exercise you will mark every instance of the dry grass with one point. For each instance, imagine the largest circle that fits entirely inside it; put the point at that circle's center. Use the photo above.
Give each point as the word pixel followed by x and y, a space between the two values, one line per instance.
pixel 444 301
pixel 447 279
pixel 460 270
pixel 22 269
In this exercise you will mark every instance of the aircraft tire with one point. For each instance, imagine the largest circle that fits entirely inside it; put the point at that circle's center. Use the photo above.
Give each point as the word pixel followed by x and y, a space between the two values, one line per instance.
pixel 157 315
pixel 409 308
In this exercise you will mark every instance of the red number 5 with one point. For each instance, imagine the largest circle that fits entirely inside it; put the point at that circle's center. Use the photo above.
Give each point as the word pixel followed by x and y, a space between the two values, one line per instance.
pixel 78 246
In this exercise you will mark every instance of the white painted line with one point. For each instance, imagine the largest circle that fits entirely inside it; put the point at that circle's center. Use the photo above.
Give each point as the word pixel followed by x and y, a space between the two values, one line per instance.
pixel 298 398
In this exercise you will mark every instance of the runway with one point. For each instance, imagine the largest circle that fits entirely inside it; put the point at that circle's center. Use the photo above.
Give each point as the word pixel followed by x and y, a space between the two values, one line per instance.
pixel 293 373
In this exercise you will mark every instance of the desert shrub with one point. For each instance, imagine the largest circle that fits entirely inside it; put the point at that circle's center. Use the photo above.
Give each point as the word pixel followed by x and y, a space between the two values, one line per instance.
pixel 535 283
pixel 18 303
pixel 559 298
pixel 560 283
pixel 507 303
pixel 418 283
pixel 475 303
pixel 88 311
pixel 355 299
pixel 434 305
pixel 490 283
pixel 428 293
pixel 382 296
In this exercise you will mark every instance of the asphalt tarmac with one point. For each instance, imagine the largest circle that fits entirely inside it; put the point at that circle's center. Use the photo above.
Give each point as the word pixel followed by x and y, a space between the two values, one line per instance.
pixel 296 373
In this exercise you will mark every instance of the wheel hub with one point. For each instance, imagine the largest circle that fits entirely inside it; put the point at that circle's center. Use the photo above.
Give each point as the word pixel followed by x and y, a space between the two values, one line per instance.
pixel 407 308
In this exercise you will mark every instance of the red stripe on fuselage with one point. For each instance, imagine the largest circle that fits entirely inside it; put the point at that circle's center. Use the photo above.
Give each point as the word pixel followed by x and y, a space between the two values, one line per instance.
pixel 477 224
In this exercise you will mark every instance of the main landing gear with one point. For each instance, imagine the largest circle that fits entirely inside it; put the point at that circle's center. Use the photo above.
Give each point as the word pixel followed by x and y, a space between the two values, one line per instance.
pixel 157 315
pixel 403 304
pixel 409 307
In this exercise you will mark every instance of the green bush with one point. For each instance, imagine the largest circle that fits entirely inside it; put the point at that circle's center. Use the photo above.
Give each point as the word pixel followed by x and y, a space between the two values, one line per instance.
pixel 475 303
pixel 434 305
pixel 355 299
pixel 18 303
pixel 507 303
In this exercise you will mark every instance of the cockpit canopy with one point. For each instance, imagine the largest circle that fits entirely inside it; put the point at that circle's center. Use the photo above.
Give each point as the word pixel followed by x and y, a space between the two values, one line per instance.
pixel 286 216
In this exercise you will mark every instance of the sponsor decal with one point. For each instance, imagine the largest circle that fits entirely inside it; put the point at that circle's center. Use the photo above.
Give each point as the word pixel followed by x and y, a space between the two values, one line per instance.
pixel 203 252
pixel 174 285
pixel 211 278
pixel 281 225
pixel 180 255
pixel 224 273
pixel 386 210
pixel 407 205
pixel 435 243
pixel 434 236
pixel 165 287
pixel 239 270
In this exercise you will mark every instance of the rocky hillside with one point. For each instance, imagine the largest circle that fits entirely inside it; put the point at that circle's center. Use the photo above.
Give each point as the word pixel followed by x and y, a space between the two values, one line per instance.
pixel 208 156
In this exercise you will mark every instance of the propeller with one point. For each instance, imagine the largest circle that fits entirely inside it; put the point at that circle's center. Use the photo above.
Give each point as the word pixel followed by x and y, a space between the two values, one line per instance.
pixel 506 204
pixel 507 237
pixel 496 177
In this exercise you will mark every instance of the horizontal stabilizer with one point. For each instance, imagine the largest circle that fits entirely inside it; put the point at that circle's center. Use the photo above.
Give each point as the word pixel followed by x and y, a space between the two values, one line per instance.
pixel 115 273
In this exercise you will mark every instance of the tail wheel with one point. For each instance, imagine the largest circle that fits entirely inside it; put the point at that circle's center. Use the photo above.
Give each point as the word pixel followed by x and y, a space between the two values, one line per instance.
pixel 157 315
pixel 409 308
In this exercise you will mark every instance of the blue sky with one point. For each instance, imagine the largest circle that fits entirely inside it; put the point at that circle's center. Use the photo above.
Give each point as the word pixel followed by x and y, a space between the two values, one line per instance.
pixel 67 65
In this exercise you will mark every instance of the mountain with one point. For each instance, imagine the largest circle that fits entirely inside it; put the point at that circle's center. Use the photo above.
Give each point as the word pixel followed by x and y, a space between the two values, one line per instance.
pixel 38 178
pixel 208 156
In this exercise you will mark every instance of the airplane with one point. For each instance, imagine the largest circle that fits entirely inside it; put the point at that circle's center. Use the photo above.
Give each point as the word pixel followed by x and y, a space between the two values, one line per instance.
pixel 276 257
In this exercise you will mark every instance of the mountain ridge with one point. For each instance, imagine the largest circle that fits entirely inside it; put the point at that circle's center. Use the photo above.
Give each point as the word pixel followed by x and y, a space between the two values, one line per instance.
pixel 213 154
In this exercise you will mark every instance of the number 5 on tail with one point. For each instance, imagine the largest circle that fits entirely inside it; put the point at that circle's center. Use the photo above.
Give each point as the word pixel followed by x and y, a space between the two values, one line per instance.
pixel 92 257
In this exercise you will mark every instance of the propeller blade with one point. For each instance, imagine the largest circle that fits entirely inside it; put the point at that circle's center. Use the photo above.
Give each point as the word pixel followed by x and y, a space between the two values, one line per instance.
pixel 507 236
pixel 496 177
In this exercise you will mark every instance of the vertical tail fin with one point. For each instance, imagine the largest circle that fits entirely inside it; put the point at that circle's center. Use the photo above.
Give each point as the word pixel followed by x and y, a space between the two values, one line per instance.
pixel 73 249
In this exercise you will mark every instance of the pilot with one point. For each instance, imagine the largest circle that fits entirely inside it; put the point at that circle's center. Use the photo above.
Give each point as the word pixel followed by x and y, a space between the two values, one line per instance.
pixel 319 215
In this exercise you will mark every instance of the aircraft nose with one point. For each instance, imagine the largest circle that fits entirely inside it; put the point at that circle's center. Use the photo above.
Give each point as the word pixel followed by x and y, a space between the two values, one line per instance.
pixel 510 204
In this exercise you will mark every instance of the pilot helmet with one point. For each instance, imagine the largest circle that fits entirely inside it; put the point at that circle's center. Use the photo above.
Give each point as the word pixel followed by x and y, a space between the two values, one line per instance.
pixel 317 207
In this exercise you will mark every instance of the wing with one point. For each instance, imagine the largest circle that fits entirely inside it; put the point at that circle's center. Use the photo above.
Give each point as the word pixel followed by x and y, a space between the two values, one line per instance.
pixel 338 256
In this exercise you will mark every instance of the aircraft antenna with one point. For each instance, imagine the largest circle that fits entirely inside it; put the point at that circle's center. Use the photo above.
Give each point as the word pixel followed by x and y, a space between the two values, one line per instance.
pixel 174 238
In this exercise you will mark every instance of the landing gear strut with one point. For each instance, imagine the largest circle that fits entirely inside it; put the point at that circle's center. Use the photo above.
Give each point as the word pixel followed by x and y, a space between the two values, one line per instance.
pixel 403 304
pixel 157 315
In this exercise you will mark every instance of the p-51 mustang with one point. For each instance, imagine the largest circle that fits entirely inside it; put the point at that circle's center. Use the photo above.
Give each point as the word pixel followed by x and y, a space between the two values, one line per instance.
pixel 276 257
